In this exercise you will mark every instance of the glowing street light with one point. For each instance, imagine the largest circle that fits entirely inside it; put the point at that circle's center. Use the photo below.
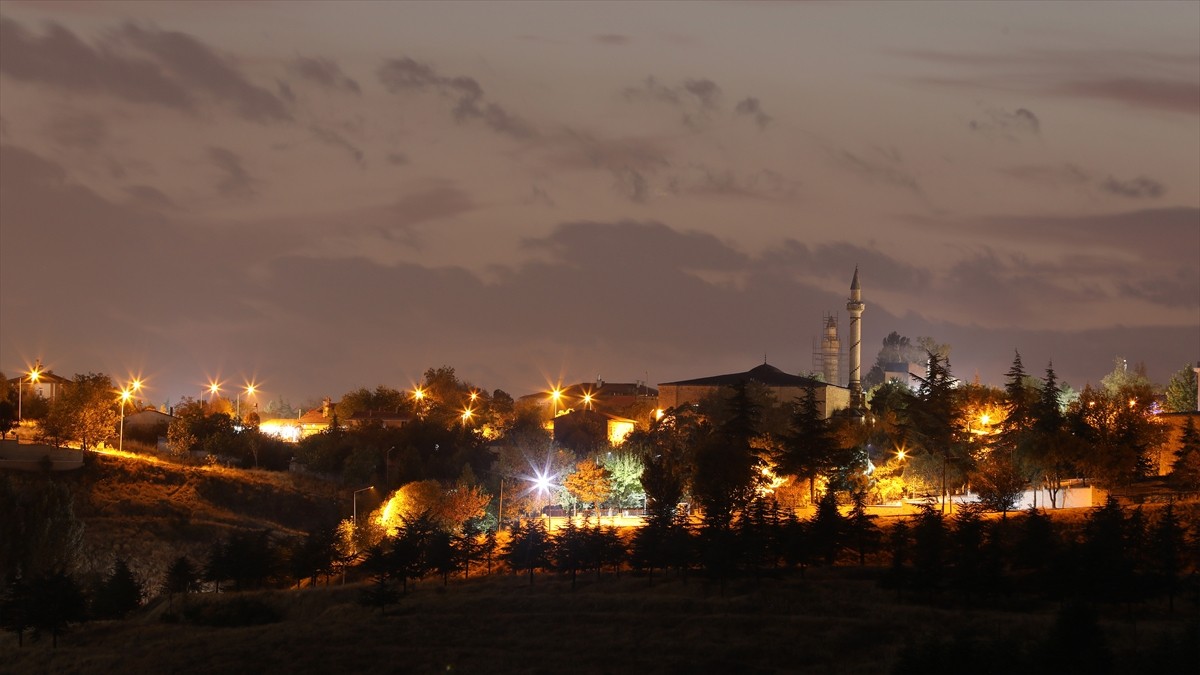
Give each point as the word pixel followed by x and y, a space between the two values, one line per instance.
pixel 34 374
pixel 214 388
pixel 126 395
pixel 466 416
pixel 250 389
pixel 587 400
pixel 555 396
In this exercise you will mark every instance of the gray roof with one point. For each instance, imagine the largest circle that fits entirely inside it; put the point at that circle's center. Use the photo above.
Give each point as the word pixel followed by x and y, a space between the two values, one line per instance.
pixel 763 374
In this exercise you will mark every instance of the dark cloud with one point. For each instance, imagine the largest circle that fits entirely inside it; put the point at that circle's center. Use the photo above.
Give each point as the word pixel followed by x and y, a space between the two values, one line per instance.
pixel 399 75
pixel 696 98
pixel 1011 126
pixel 1106 74
pixel 612 39
pixel 77 130
pixel 1134 188
pixel 324 72
pixel 707 180
pixel 285 91
pixel 1168 95
pixel 178 67
pixel 330 137
pixel 1163 236
pixel 60 59
pixel 750 106
pixel 884 166
pixel 397 158
pixel 234 182
pixel 435 203
pixel 631 184
pixel 146 196
pixel 706 91
pixel 1057 175
pixel 200 67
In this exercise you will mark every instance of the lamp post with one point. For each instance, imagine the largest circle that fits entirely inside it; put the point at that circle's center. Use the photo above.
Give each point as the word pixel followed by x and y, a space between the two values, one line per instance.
pixel 250 389
pixel 126 395
pixel 33 378
pixel 214 388
pixel 355 500
pixel 555 395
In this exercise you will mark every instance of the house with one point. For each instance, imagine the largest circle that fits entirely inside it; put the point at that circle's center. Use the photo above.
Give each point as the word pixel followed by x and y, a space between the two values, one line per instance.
pixel 785 387
pixel 387 419
pixel 610 397
pixel 310 423
pixel 585 429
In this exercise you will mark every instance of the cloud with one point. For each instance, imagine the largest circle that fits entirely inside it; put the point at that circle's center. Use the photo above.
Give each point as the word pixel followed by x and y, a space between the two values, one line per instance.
pixel 405 74
pixel 750 106
pixel 629 161
pixel 631 184
pixel 706 180
pixel 1135 188
pixel 325 73
pixel 884 166
pixel 77 130
pixel 1070 175
pixel 234 183
pixel 697 98
pixel 430 204
pixel 1154 80
pixel 612 39
pixel 1168 95
pixel 178 66
pixel 397 158
pixel 148 197
pixel 335 139
pixel 61 59
pixel 1010 126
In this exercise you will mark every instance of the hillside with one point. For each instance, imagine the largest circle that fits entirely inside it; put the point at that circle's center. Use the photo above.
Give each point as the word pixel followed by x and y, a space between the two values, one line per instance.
pixel 150 512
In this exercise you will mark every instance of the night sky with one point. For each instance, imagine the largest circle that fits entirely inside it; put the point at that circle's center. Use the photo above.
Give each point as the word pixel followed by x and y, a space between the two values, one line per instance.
pixel 325 196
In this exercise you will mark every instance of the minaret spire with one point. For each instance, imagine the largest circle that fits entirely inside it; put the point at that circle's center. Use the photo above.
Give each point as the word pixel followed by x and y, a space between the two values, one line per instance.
pixel 855 308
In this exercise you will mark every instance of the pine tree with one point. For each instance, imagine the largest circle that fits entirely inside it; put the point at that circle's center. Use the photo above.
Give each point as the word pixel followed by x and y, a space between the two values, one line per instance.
pixel 16 608
pixel 120 594
pixel 810 448
pixel 864 534
pixel 181 578
pixel 827 529
pixel 1185 472
pixel 1166 546
pixel 528 548
pixel 56 602
pixel 933 418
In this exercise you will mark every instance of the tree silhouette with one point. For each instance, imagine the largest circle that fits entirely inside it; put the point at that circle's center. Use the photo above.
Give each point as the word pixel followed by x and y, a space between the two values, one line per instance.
pixel 933 418
pixel 528 547
pixel 16 608
pixel 119 594
pixel 811 448
pixel 56 602
pixel 182 577
pixel 1185 472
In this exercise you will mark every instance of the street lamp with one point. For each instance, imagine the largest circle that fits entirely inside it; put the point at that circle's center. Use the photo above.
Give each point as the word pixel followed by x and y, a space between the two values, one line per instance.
pixel 555 395
pixel 354 497
pixel 214 388
pixel 34 374
pixel 126 395
pixel 250 389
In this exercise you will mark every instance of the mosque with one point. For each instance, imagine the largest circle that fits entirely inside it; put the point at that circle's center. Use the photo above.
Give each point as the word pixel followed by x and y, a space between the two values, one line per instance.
pixel 831 396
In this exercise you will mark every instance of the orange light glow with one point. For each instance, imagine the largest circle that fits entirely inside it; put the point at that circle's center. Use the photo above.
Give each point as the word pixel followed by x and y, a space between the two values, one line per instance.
pixel 418 393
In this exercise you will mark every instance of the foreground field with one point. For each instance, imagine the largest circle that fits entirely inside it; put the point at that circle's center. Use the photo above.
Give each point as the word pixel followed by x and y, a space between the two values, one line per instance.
pixel 834 620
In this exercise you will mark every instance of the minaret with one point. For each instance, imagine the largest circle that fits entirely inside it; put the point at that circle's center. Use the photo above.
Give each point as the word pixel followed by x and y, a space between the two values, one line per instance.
pixel 855 307
pixel 831 347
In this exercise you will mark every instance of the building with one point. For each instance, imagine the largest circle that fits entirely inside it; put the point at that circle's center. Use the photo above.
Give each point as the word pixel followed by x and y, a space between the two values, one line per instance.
pixel 785 387
pixel 312 422
pixel 578 429
pixel 609 397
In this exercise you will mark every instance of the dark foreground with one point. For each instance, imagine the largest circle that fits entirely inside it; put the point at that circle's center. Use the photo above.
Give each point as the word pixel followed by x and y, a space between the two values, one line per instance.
pixel 833 620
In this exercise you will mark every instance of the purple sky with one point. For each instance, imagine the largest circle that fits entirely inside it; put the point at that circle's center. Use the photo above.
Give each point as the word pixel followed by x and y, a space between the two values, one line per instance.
pixel 326 196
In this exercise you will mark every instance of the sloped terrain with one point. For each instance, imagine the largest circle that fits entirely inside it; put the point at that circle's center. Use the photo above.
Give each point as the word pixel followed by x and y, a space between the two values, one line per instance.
pixel 151 512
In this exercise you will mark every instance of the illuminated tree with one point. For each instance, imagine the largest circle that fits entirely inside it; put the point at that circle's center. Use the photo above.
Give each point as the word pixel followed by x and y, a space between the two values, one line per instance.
pixel 625 470
pixel 86 412
pixel 999 483
pixel 569 550
pixel 1118 429
pixel 811 448
pixel 827 529
pixel 933 419
pixel 591 483
pixel 1181 390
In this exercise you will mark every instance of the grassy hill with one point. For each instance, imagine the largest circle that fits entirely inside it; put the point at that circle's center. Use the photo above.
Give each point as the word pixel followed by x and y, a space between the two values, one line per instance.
pixel 150 512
